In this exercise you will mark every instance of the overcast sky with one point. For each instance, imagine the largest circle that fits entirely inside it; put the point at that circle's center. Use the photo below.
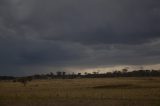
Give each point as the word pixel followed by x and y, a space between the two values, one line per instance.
pixel 39 36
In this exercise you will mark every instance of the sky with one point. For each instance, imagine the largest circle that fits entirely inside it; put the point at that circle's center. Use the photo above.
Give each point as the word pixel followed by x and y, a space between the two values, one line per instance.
pixel 40 36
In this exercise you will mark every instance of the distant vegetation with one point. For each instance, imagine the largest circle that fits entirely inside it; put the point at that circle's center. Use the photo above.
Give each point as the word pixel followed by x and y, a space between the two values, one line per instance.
pixel 23 80
pixel 64 75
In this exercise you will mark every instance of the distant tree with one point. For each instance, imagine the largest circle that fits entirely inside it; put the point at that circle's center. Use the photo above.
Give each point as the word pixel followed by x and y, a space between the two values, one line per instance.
pixel 23 80
pixel 79 74
pixel 51 74
pixel 64 73
pixel 29 78
pixel 125 70
pixel 85 73
pixel 94 72
pixel 59 73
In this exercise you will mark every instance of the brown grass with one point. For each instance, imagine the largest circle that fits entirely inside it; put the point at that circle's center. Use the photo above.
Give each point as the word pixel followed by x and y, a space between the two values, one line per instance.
pixel 82 92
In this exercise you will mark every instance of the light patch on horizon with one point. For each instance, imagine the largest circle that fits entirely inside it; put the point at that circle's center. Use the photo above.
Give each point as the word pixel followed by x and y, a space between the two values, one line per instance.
pixel 105 69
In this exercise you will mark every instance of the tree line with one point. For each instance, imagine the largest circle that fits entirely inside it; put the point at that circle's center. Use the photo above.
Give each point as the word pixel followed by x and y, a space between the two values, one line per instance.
pixel 64 75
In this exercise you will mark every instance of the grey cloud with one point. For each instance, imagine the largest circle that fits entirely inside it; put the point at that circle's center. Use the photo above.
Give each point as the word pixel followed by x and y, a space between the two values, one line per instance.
pixel 88 21
pixel 28 52
pixel 78 33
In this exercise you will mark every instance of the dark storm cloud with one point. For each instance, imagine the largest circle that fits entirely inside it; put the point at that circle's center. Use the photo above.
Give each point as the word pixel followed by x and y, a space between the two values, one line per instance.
pixel 23 51
pixel 102 21
pixel 68 33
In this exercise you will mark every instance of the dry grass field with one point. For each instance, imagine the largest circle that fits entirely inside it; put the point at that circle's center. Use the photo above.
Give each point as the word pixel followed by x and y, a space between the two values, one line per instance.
pixel 82 92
